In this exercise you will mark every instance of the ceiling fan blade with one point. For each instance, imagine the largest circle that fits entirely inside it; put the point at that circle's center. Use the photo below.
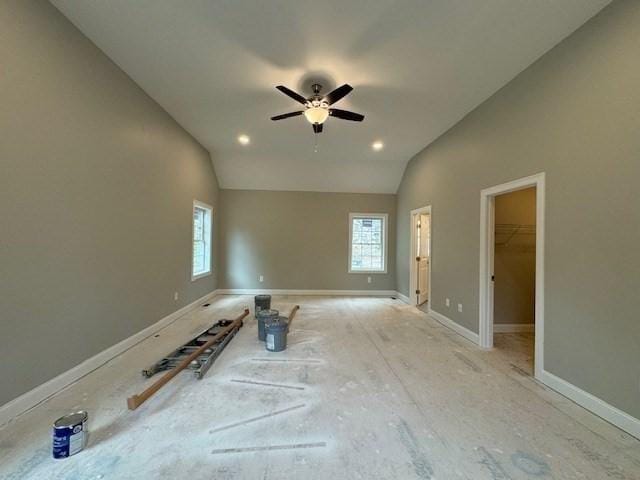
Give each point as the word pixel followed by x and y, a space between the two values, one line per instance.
pixel 338 93
pixel 287 115
pixel 290 93
pixel 317 127
pixel 346 115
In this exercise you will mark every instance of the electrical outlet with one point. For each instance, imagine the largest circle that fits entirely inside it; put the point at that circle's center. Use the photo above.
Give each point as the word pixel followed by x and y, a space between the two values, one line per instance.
pixel 368 279
pixel 447 302
pixel 261 278
pixel 460 307
pixel 175 296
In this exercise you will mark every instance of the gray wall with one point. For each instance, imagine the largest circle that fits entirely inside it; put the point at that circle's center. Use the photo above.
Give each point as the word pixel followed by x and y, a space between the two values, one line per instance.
pixel 96 190
pixel 297 240
pixel 574 114
pixel 515 258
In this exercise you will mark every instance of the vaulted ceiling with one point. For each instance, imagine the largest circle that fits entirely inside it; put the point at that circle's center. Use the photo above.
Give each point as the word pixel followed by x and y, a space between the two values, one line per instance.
pixel 417 67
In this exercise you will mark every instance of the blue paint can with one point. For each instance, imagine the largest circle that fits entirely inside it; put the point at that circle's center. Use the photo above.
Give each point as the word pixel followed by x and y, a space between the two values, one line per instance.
pixel 70 434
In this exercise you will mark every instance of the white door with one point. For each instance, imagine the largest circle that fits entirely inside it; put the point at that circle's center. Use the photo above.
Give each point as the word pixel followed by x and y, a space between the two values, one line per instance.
pixel 423 258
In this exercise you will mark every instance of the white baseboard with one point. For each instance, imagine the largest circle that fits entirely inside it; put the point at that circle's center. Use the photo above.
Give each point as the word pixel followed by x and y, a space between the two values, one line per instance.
pixel 349 293
pixel 404 298
pixel 30 399
pixel 611 414
pixel 513 327
pixel 447 322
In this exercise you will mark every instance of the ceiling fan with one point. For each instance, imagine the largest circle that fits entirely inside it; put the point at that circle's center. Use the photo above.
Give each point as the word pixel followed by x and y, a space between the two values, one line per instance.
pixel 317 107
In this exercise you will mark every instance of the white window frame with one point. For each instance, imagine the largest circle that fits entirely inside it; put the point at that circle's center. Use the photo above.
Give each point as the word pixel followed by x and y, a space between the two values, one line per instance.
pixel 209 209
pixel 385 227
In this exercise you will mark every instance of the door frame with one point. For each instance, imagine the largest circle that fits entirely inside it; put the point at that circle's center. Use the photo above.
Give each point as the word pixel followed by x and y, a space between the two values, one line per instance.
pixel 412 258
pixel 487 240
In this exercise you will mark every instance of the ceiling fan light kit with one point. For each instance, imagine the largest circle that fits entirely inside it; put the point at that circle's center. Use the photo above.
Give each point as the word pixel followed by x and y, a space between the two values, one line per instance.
pixel 317 107
pixel 317 114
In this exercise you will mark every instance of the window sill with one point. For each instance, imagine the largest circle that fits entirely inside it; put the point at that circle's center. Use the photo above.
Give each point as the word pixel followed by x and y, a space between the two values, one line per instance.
pixel 369 272
pixel 201 275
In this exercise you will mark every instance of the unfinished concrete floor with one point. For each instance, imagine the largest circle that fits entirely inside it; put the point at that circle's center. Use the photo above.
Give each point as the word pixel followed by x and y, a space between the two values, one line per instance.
pixel 516 350
pixel 368 388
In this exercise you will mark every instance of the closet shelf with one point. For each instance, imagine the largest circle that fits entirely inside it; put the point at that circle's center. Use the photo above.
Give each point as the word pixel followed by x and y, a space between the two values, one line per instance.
pixel 510 230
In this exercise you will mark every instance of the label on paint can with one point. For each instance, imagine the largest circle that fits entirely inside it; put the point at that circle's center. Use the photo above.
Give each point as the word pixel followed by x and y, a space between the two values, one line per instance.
pixel 69 434
pixel 76 441
pixel 270 341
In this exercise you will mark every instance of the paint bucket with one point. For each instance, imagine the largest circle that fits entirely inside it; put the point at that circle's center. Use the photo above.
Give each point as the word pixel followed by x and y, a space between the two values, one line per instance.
pixel 70 434
pixel 263 317
pixel 262 302
pixel 276 334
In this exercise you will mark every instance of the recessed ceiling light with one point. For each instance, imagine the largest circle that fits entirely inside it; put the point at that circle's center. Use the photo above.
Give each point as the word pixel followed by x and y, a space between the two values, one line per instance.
pixel 244 139
pixel 377 145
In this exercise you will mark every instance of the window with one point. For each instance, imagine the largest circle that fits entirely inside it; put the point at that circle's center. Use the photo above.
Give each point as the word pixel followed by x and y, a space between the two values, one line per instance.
pixel 201 253
pixel 368 242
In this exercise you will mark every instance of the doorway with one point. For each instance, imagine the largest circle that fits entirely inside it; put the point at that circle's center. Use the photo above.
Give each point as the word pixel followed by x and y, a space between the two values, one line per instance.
pixel 512 247
pixel 514 275
pixel 420 258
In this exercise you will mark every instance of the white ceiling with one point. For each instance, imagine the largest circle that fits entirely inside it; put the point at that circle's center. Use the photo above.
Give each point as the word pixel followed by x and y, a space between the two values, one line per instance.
pixel 417 67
